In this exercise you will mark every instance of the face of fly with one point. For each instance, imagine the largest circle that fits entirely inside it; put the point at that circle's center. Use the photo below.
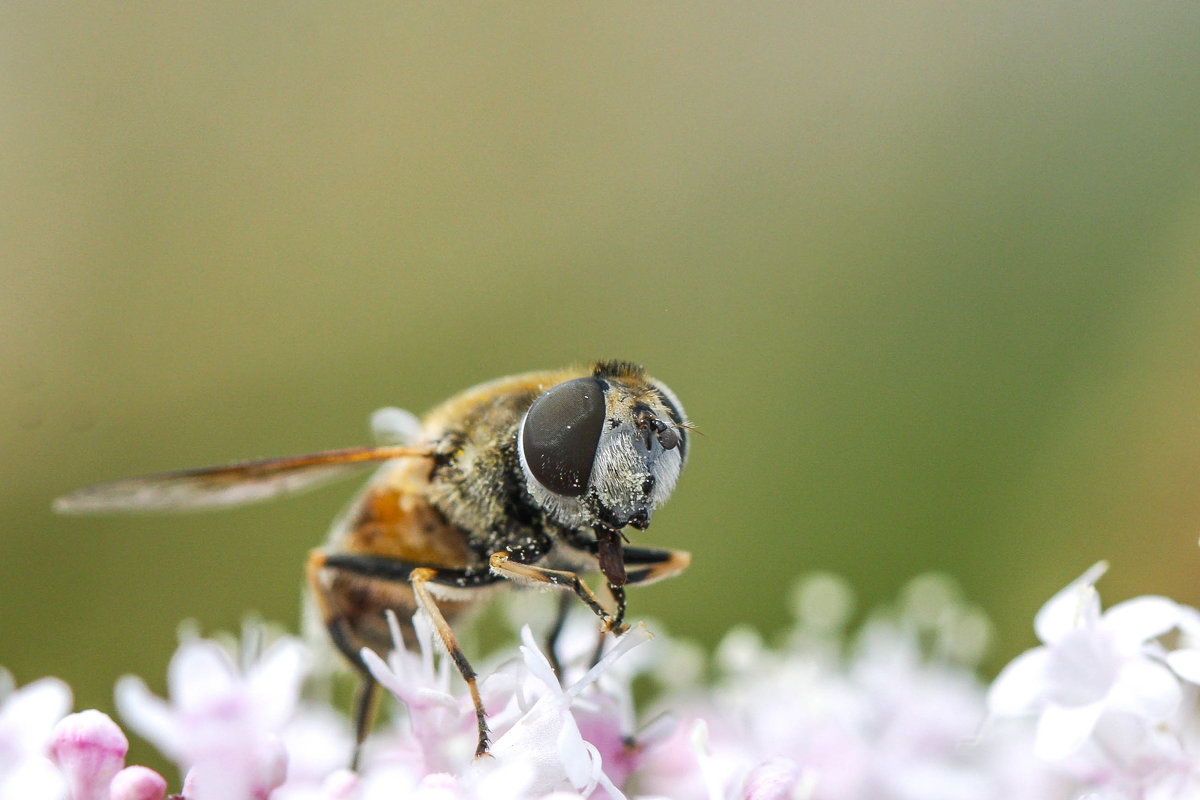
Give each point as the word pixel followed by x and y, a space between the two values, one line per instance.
pixel 602 452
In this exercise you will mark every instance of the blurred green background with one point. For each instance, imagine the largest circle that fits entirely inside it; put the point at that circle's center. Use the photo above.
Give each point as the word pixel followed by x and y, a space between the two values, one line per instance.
pixel 926 275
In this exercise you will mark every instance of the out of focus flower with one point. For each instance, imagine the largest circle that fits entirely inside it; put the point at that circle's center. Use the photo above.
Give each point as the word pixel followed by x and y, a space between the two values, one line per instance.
pixel 89 749
pixel 1108 705
pixel 138 783
pixel 888 714
pixel 27 716
pixel 223 724
pixel 1089 664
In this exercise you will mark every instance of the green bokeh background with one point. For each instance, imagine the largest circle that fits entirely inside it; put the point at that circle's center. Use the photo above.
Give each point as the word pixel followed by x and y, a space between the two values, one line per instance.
pixel 926 275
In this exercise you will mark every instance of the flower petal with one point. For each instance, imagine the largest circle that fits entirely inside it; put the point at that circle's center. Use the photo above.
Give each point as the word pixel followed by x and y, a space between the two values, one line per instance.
pixel 199 672
pixel 147 714
pixel 1083 667
pixel 1146 689
pixel 1020 687
pixel 536 661
pixel 33 779
pixel 274 682
pixel 1062 731
pixel 33 710
pixel 1141 619
pixel 1070 607
pixel 633 637
pixel 775 779
pixel 1186 663
pixel 578 758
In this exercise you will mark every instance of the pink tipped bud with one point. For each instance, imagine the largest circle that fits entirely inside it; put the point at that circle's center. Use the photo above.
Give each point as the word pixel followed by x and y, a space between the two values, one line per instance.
pixel 89 749
pixel 138 783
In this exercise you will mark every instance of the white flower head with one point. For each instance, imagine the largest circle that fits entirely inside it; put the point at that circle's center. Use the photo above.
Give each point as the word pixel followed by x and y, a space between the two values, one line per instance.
pixel 547 736
pixel 1089 664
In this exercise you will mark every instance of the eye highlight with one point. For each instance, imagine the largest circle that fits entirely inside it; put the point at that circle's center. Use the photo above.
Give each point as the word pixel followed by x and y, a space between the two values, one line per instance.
pixel 560 435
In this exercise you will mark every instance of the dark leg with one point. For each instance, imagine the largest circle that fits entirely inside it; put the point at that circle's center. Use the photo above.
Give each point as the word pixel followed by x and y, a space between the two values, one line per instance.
pixel 560 619
pixel 598 652
pixel 364 713
pixel 618 594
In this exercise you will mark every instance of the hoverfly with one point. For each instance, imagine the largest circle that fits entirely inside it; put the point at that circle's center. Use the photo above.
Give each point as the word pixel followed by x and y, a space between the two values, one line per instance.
pixel 528 479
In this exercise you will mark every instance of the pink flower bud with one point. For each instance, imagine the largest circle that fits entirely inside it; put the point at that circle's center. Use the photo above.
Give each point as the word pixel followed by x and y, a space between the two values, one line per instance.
pixel 90 750
pixel 138 783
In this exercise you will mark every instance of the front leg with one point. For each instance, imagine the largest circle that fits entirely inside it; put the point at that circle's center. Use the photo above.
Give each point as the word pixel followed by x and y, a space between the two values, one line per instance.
pixel 502 564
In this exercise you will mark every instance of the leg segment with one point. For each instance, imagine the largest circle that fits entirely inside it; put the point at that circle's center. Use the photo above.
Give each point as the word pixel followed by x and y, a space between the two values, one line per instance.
pixel 503 565
pixel 364 713
pixel 560 619
pixel 642 565
pixel 420 583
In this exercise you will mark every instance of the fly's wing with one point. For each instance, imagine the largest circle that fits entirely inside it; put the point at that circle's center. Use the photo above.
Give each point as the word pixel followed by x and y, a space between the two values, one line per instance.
pixel 230 485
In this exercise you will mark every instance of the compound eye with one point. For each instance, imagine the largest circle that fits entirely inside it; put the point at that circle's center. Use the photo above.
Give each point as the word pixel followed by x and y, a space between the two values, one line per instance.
pixel 561 433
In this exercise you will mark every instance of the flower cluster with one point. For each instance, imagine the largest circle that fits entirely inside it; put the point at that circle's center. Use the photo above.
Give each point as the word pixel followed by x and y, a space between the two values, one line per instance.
pixel 893 712
pixel 1113 693
pixel 45 755
pixel 1103 708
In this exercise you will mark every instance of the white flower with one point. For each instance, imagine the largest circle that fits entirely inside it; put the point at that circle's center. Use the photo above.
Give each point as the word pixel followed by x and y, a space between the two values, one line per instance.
pixel 1089 665
pixel 222 725
pixel 442 724
pixel 888 716
pixel 537 742
pixel 319 743
pixel 891 714
pixel 1185 660
pixel 27 717
pixel 547 736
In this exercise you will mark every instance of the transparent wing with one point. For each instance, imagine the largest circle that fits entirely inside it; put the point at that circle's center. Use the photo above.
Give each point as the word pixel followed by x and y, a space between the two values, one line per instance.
pixel 229 485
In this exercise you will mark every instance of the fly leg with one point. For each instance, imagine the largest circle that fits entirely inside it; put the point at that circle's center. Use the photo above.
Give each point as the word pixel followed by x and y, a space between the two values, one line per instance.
pixel 421 579
pixel 354 590
pixel 503 565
